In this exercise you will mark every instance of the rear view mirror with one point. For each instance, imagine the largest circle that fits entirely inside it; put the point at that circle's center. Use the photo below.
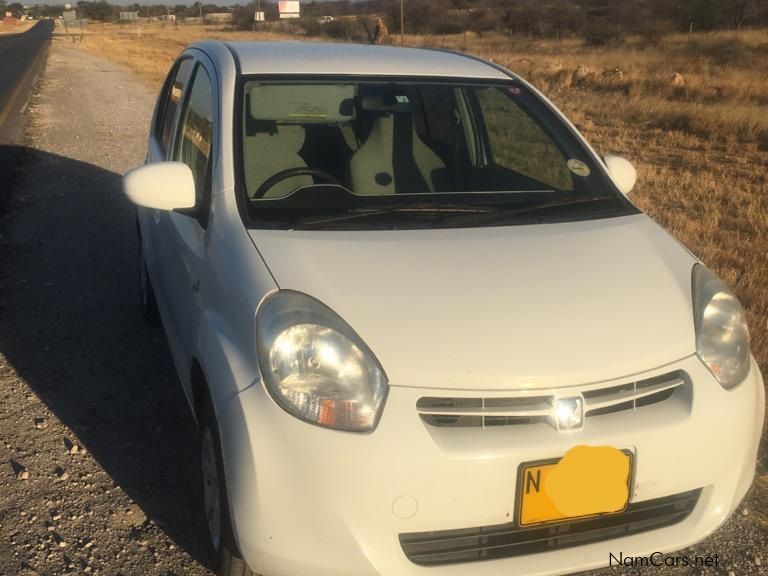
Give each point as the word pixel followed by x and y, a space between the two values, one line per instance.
pixel 163 186
pixel 622 172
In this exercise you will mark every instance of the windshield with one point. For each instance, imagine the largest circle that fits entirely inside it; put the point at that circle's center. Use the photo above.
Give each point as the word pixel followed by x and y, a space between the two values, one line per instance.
pixel 401 153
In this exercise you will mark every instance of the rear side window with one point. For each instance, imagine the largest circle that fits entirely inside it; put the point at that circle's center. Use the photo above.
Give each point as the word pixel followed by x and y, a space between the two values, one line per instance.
pixel 172 99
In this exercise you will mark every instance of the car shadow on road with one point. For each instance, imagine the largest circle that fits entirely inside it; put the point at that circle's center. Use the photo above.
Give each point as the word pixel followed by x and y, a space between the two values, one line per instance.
pixel 70 326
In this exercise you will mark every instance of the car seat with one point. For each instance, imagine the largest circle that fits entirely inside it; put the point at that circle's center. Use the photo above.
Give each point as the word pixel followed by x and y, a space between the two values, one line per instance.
pixel 393 158
pixel 271 150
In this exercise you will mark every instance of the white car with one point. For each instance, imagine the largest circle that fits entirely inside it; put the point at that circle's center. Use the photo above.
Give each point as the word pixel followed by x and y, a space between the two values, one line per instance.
pixel 421 326
pixel 325 19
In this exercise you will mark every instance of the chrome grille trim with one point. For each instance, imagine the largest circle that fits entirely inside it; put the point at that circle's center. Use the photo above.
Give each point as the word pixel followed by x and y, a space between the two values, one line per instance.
pixel 639 390
pixel 537 407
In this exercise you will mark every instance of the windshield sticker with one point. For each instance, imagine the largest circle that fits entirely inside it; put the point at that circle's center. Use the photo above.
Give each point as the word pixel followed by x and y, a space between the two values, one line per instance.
pixel 402 99
pixel 514 91
pixel 578 167
pixel 306 110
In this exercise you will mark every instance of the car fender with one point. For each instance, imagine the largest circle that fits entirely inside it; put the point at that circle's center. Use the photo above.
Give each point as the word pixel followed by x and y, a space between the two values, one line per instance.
pixel 225 366
pixel 227 371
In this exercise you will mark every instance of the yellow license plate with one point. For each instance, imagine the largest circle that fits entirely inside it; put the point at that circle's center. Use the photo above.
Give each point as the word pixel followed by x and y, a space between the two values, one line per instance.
pixel 587 481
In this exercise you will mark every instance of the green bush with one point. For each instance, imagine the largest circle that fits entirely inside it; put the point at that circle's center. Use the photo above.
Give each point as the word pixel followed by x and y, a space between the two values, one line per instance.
pixel 452 26
pixel 341 29
pixel 602 33
pixel 345 30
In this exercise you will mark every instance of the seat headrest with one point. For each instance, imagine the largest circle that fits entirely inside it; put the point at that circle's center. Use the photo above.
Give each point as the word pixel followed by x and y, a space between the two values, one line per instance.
pixel 283 139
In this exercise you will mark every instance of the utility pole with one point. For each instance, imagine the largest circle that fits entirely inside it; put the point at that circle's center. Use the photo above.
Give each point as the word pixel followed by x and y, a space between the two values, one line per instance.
pixel 402 20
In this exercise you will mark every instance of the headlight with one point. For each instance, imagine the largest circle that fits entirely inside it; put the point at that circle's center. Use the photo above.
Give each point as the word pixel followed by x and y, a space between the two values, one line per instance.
pixel 315 366
pixel 722 337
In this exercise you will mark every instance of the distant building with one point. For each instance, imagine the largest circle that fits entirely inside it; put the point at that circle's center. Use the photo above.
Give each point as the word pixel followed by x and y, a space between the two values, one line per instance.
pixel 129 16
pixel 218 17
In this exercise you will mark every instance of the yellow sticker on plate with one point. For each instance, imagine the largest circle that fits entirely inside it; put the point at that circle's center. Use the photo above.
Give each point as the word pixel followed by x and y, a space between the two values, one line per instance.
pixel 578 167
pixel 587 481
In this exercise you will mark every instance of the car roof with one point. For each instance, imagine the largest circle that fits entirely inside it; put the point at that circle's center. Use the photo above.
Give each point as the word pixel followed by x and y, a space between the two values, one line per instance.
pixel 328 59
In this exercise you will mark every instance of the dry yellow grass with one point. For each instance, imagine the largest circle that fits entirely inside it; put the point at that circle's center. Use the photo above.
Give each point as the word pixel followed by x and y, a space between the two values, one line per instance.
pixel 722 90
pixel 149 50
pixel 16 27
pixel 701 149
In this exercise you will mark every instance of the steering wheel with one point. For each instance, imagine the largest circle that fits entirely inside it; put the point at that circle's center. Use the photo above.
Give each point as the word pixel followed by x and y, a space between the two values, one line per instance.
pixel 290 173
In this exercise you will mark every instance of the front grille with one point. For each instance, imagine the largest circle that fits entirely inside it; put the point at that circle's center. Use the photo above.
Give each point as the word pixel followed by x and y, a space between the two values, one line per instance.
pixel 507 540
pixel 527 408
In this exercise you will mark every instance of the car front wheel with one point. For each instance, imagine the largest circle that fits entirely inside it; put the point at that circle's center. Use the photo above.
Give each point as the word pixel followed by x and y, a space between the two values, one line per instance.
pixel 226 560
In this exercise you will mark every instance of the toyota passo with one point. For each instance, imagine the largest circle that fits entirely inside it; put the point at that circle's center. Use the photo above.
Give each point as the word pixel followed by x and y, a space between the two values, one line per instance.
pixel 421 326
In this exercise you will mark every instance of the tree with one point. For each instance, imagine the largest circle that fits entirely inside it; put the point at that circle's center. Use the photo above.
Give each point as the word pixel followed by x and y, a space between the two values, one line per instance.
pixel 420 15
pixel 16 9
pixel 462 5
pixel 242 16
pixel 699 13
pixel 739 8
pixel 100 10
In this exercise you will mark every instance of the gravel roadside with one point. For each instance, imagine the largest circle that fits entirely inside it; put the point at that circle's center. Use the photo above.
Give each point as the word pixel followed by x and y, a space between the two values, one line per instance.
pixel 98 471
pixel 98 467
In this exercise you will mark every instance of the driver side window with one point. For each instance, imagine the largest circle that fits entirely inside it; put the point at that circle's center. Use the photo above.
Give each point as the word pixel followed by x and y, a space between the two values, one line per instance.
pixel 195 137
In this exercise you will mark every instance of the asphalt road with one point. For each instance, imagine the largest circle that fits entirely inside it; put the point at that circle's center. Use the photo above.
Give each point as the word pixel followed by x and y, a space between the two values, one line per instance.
pixel 21 59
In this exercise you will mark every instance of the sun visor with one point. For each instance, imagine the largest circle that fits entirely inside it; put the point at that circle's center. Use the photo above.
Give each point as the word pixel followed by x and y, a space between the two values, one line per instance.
pixel 303 104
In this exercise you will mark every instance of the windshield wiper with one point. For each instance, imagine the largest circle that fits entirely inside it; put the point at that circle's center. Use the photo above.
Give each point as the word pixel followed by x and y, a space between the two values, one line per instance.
pixel 458 213
pixel 537 208
pixel 406 209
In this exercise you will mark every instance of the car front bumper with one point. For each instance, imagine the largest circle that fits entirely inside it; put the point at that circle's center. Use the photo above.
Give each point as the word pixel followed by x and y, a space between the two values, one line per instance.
pixel 308 500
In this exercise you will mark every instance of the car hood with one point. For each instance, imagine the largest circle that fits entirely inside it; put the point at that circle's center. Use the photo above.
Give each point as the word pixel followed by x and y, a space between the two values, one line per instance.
pixel 530 306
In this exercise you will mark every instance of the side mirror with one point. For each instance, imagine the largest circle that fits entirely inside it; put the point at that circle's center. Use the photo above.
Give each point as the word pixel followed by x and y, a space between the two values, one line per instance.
pixel 622 172
pixel 163 186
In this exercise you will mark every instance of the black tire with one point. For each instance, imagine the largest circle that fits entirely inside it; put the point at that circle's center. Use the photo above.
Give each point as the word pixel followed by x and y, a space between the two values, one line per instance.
pixel 147 293
pixel 225 557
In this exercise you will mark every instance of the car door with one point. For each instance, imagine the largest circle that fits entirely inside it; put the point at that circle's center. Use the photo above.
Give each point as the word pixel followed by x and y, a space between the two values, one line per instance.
pixel 158 254
pixel 183 235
